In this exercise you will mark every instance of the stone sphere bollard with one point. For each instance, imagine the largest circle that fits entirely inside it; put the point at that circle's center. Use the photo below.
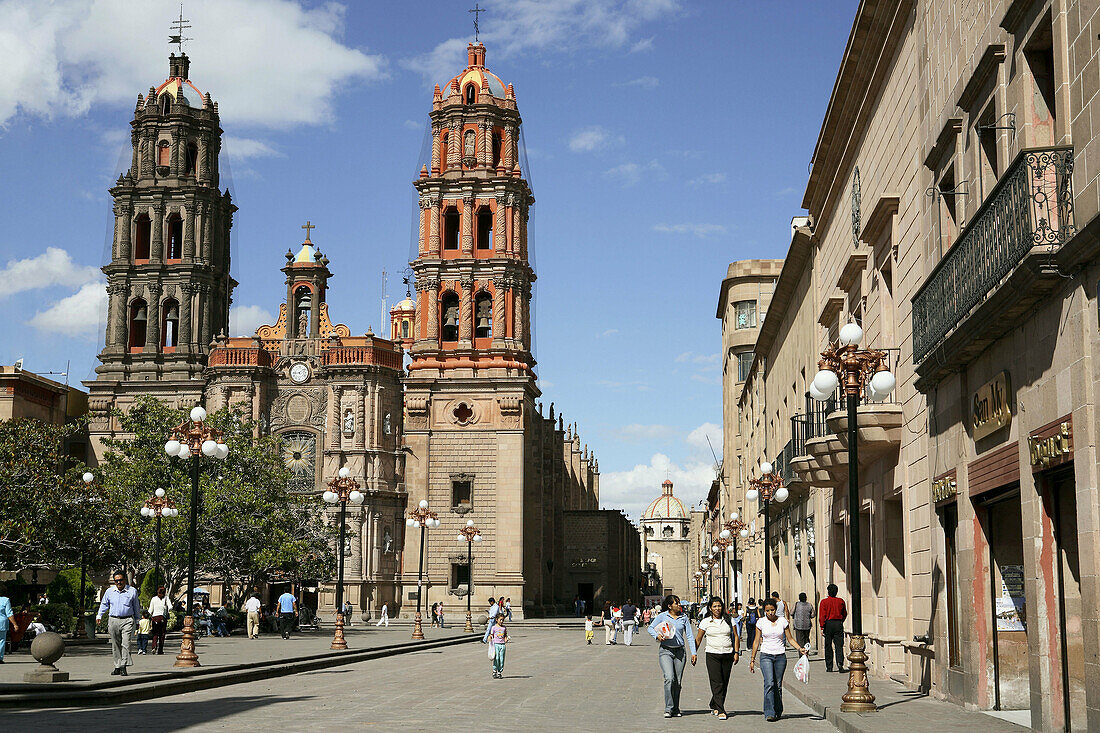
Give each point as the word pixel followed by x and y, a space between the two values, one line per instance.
pixel 47 648
pixel 483 619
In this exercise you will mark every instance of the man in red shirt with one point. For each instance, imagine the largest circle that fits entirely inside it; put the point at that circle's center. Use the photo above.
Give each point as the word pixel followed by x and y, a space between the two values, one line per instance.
pixel 831 615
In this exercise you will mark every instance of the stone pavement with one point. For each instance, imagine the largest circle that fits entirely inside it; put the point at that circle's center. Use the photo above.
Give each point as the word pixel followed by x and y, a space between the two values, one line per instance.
pixel 553 682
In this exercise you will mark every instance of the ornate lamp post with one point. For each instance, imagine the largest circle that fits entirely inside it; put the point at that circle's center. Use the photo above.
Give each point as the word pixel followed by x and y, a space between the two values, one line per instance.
pixel 730 531
pixel 847 366
pixel 342 489
pixel 425 519
pixel 769 487
pixel 188 440
pixel 94 496
pixel 157 506
pixel 470 534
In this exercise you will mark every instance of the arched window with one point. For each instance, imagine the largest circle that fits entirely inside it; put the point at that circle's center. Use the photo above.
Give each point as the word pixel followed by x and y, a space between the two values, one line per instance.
pixel 484 228
pixel 191 161
pixel 443 152
pixel 303 303
pixel 497 145
pixel 139 321
pixel 164 154
pixel 448 316
pixel 141 237
pixel 170 329
pixel 451 223
pixel 174 246
pixel 404 329
pixel 471 93
pixel 165 103
pixel 483 315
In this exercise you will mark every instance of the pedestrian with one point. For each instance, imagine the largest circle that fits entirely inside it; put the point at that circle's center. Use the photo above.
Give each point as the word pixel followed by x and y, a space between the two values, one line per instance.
pixel 630 621
pixel 831 614
pixel 752 615
pixel 588 631
pixel 252 609
pixel 287 606
pixel 802 620
pixel 780 606
pixel 769 647
pixel 723 648
pixel 577 606
pixel 7 620
pixel 610 634
pixel 494 609
pixel 673 630
pixel 497 636
pixel 435 615
pixel 121 604
pixel 23 621
pixel 145 627
pixel 347 613
pixel 158 613
pixel 384 618
pixel 221 622
pixel 508 607
pixel 647 615
pixel 440 612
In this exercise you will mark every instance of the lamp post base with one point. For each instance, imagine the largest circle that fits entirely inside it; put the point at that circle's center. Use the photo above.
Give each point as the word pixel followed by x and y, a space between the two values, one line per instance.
pixel 338 641
pixel 418 629
pixel 469 624
pixel 858 699
pixel 187 656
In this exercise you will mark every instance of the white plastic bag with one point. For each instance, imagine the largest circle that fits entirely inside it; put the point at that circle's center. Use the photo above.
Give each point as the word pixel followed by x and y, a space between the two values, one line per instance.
pixel 802 669
pixel 492 651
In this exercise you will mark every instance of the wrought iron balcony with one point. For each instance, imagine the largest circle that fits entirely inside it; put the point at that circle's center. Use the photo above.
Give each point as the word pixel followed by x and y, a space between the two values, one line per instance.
pixel 1030 210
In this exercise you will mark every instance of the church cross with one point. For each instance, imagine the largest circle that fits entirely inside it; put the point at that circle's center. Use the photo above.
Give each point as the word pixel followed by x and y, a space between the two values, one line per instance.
pixel 179 25
pixel 477 10
pixel 307 226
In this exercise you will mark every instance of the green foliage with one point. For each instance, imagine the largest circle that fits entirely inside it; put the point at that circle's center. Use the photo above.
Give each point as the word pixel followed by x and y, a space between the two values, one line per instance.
pixel 65 588
pixel 150 581
pixel 56 615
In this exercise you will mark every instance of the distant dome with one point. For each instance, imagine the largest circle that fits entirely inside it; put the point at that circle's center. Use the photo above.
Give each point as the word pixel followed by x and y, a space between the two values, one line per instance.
pixel 306 253
pixel 404 305
pixel 665 506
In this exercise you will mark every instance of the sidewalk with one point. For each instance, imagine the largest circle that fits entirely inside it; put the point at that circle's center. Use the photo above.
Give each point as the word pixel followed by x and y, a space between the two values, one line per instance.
pixel 899 709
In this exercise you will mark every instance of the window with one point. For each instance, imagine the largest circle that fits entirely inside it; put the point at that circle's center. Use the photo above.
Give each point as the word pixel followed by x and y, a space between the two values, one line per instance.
pixel 498 144
pixel 483 316
pixel 451 222
pixel 191 160
pixel 948 212
pixel 744 314
pixel 471 93
pixel 987 149
pixel 139 321
pixel 448 313
pixel 648 531
pixel 667 531
pixel 469 148
pixel 404 329
pixel 165 104
pixel 460 575
pixel 744 364
pixel 484 228
pixel 949 518
pixel 299 450
pixel 1042 110
pixel 164 154
pixel 174 247
pixel 169 336
pixel 462 490
pixel 443 152
pixel 142 228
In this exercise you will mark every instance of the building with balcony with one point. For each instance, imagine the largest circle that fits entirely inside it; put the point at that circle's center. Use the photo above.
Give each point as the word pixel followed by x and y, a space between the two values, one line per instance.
pixel 952 212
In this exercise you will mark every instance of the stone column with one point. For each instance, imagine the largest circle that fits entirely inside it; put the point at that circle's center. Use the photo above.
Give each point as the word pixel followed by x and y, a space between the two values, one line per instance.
pixel 174 157
pixel 465 309
pixel 152 326
pixel 125 214
pixel 186 294
pixel 436 130
pixel 206 246
pixel 485 139
pixel 516 232
pixel 418 314
pixel 336 418
pixel 200 164
pixel 376 541
pixel 509 225
pixel 499 236
pixel 360 421
pixel 135 155
pixel 116 316
pixel 523 215
pixel 156 240
pixel 498 308
pixel 356 532
pixel 507 154
pixel 189 233
pixel 518 308
pixel 204 315
pixel 422 233
pixel 527 316
pixel 433 225
pixel 468 223
pixel 432 285
pixel 454 146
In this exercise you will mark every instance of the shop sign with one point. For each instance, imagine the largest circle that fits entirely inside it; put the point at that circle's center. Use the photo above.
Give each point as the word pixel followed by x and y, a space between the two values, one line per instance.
pixel 584 563
pixel 944 488
pixel 990 411
pixel 1050 447
pixel 1010 605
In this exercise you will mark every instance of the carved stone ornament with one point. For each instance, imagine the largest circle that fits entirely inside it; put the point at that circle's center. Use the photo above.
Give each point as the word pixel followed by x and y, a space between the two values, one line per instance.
pixel 511 409
pixel 462 412
pixel 416 412
pixel 299 407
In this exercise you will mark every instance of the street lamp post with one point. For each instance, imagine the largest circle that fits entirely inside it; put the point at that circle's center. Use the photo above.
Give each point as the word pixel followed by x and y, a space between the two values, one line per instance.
pixel 730 531
pixel 94 497
pixel 157 506
pixel 187 440
pixel 769 487
pixel 846 365
pixel 425 519
pixel 342 489
pixel 470 534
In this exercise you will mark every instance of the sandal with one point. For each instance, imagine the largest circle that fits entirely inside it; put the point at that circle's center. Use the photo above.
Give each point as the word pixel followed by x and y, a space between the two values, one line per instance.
pixel 722 716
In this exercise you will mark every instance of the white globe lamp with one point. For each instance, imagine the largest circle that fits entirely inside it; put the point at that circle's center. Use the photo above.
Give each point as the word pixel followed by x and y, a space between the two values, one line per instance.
pixel 850 334
pixel 198 414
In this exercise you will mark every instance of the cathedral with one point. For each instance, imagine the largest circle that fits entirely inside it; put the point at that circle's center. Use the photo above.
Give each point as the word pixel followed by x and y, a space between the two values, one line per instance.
pixel 447 410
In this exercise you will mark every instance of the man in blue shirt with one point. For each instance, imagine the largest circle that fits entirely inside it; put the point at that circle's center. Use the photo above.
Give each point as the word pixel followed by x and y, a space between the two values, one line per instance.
pixel 287 608
pixel 122 605
pixel 7 620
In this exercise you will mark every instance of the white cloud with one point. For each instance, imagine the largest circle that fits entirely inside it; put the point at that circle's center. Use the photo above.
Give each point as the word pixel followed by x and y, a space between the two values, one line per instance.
pixel 645 44
pixel 632 490
pixel 273 63
pixel 630 174
pixel 646 82
pixel 697 438
pixel 708 179
pixel 698 229
pixel 80 314
pixel 528 26
pixel 243 148
pixel 413 125
pixel 637 433
pixel 593 137
pixel 708 359
pixel 245 319
pixel 53 267
pixel 609 332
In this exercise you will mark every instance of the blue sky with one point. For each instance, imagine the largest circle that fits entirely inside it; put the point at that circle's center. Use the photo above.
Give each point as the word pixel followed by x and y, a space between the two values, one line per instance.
pixel 666 138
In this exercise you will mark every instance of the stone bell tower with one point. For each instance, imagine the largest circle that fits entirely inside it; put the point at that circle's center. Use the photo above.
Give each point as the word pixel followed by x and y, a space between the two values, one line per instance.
pixel 470 390
pixel 168 281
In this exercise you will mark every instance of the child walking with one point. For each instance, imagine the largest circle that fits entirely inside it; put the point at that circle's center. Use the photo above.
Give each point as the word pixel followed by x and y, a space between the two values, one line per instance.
pixel 145 628
pixel 588 631
pixel 497 636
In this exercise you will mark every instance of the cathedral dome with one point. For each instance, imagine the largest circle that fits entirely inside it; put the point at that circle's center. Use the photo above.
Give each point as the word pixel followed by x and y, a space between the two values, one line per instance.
pixel 665 506
pixel 477 73
pixel 181 90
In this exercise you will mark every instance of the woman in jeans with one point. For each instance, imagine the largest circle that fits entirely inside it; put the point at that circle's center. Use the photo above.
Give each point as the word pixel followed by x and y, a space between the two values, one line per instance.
pixel 672 629
pixel 768 645
pixel 723 649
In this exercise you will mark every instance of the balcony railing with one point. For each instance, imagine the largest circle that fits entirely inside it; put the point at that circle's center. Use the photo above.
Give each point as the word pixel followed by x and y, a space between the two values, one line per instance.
pixel 242 357
pixel 1031 206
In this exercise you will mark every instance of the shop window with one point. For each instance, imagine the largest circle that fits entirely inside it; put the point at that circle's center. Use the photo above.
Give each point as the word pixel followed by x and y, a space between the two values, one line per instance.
pixel 169 336
pixel 142 229
pixel 139 322
pixel 448 313
pixel 484 228
pixel 744 314
pixel 483 315
pixel 451 223
pixel 174 245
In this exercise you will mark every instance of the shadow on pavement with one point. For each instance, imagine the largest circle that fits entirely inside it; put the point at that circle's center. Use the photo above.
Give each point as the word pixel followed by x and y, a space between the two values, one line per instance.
pixel 171 715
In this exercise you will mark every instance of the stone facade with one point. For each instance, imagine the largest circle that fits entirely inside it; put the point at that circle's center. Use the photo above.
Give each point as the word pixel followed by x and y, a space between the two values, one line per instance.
pixel 602 556
pixel 953 213
pixel 666 527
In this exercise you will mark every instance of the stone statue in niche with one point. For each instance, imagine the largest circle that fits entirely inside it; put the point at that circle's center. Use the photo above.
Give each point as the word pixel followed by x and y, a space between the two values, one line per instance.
pixel 303 324
pixel 387 541
pixel 263 423
pixel 349 423
pixel 386 427
pixel 468 144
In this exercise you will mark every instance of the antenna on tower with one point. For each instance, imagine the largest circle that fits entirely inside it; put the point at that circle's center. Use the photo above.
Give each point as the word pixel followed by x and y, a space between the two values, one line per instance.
pixel 180 25
pixel 382 327
pixel 477 10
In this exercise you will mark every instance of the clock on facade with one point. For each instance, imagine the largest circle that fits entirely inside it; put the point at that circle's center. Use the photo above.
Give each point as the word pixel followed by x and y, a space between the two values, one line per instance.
pixel 299 372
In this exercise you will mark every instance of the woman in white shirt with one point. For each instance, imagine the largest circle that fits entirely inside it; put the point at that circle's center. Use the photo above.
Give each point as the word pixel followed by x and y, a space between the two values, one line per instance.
pixel 768 645
pixel 723 649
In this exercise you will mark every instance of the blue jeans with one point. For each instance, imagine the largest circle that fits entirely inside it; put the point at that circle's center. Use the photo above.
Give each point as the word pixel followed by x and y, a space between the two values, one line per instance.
pixel 671 660
pixel 498 657
pixel 3 638
pixel 772 666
